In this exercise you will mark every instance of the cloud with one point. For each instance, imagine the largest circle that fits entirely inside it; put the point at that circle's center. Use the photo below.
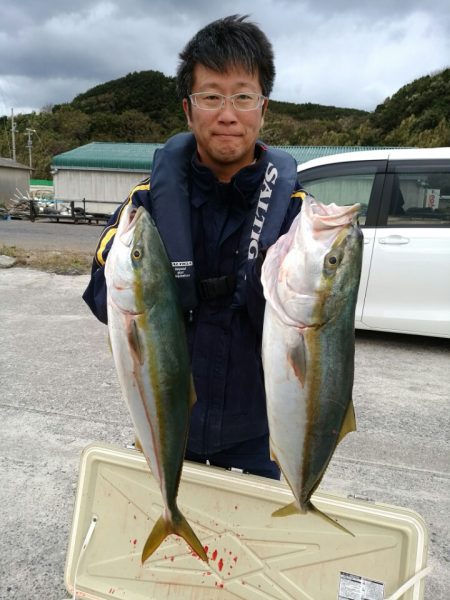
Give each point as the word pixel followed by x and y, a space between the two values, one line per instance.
pixel 359 64
pixel 343 52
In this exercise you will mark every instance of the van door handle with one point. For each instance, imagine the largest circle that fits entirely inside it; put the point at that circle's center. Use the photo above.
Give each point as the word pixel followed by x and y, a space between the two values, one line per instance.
pixel 394 240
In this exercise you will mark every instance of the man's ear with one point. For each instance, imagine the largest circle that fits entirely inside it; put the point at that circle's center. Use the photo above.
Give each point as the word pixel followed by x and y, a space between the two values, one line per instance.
pixel 187 111
pixel 264 108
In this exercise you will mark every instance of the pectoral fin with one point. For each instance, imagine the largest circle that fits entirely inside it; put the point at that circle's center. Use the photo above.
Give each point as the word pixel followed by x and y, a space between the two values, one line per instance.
pixel 297 359
pixel 133 340
pixel 192 395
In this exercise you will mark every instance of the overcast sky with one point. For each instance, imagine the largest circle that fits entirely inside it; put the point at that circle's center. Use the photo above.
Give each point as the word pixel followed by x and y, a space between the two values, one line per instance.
pixel 349 53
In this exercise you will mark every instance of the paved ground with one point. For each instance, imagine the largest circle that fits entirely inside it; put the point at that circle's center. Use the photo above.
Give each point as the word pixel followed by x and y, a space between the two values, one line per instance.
pixel 44 235
pixel 59 393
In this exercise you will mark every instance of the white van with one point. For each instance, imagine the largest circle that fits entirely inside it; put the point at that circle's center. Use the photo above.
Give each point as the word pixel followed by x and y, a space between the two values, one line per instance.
pixel 405 218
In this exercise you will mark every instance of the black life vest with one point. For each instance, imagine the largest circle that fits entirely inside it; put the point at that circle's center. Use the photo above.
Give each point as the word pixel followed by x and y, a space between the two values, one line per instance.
pixel 171 206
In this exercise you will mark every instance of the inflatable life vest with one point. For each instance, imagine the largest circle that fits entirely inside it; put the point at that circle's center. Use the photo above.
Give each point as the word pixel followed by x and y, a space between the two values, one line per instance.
pixel 171 206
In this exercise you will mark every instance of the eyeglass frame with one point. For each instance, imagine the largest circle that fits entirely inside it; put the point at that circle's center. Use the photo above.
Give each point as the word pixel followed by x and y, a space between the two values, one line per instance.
pixel 261 100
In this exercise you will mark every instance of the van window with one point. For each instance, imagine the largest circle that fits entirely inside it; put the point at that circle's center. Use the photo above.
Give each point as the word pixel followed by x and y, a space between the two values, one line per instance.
pixel 343 189
pixel 420 197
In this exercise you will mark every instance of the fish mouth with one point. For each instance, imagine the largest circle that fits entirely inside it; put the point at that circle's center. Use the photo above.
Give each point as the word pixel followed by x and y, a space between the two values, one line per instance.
pixel 326 217
pixel 133 217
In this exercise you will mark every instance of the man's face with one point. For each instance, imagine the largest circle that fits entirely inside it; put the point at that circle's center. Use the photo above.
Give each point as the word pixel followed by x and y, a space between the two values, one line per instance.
pixel 225 137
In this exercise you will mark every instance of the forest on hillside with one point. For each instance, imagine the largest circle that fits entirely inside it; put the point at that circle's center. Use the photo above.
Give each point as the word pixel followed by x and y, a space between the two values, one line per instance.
pixel 143 107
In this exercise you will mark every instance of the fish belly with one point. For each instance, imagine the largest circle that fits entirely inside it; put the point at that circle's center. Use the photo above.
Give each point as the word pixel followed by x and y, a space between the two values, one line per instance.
pixel 137 392
pixel 286 400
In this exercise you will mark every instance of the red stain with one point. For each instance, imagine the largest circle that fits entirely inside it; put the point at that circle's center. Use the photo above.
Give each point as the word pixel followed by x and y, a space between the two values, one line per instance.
pixel 235 559
pixel 219 585
pixel 206 549
pixel 220 564
pixel 172 558
pixel 134 542
pixel 214 555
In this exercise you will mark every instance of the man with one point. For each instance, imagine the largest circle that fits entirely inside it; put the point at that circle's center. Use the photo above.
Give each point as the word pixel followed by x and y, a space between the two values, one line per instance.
pixel 219 199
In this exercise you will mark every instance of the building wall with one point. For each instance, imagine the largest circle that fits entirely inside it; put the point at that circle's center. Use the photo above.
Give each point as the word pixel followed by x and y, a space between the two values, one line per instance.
pixel 103 190
pixel 12 178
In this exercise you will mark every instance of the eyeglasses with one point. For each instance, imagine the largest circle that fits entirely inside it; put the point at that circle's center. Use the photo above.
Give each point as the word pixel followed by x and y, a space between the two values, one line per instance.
pixel 213 101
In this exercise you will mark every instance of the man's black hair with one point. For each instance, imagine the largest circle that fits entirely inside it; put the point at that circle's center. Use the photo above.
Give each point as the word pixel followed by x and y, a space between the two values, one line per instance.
pixel 228 42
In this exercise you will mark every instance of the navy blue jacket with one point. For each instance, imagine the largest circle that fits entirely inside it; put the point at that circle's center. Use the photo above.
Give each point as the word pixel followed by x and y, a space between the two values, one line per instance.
pixel 224 332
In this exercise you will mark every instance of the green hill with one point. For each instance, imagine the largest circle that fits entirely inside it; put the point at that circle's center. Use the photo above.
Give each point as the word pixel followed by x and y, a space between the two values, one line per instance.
pixel 418 114
pixel 143 107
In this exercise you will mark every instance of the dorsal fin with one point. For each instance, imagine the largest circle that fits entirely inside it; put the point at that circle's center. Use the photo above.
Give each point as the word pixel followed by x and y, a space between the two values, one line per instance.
pixel 349 423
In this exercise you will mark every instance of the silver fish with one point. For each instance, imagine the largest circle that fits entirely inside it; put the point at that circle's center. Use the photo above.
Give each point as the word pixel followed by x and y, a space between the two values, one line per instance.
pixel 148 341
pixel 310 278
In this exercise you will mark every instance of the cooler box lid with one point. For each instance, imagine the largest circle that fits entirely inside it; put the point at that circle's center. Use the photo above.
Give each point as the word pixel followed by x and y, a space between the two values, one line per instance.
pixel 252 555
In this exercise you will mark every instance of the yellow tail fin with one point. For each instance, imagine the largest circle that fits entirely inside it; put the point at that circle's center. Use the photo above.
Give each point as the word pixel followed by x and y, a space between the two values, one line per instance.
pixel 293 509
pixel 163 528
pixel 286 511
pixel 327 518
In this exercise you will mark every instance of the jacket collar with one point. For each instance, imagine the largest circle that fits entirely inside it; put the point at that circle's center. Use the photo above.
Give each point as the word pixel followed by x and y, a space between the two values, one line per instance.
pixel 241 187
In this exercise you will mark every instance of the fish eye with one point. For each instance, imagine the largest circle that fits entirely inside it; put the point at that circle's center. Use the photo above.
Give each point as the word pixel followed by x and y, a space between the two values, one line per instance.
pixel 333 259
pixel 137 254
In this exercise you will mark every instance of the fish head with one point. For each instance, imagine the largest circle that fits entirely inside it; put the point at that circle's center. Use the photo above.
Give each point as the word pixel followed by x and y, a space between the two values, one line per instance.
pixel 337 288
pixel 315 264
pixel 130 268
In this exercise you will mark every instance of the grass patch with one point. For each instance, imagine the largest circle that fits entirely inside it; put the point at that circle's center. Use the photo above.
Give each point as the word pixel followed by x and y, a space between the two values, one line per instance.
pixel 52 261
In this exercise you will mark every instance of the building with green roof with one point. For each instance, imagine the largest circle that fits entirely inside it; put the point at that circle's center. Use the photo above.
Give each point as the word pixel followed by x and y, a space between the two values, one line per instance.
pixel 100 175
pixel 103 173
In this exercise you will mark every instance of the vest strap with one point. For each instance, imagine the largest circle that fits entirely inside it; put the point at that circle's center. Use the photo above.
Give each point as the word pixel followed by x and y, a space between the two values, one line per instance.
pixel 208 289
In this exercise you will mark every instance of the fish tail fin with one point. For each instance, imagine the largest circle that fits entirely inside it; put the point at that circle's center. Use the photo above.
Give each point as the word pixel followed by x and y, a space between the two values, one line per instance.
pixel 163 528
pixel 157 535
pixel 184 530
pixel 293 509
pixel 329 519
pixel 286 511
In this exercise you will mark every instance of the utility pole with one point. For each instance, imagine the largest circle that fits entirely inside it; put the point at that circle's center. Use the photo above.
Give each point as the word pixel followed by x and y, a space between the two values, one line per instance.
pixel 30 144
pixel 13 134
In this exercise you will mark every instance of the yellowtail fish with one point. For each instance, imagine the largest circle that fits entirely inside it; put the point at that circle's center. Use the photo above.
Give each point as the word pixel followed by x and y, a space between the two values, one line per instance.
pixel 149 347
pixel 310 278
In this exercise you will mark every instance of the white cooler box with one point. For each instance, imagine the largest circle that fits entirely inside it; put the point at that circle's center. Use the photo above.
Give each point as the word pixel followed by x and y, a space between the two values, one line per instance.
pixel 252 555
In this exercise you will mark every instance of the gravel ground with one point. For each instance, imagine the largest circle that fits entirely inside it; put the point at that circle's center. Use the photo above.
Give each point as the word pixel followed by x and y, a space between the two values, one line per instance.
pixel 59 393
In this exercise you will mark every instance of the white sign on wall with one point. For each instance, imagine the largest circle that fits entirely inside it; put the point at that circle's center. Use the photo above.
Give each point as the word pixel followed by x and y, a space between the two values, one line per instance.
pixel 432 198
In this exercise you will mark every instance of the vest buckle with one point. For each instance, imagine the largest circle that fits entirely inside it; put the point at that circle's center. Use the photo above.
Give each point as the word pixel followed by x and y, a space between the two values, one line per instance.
pixel 216 287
